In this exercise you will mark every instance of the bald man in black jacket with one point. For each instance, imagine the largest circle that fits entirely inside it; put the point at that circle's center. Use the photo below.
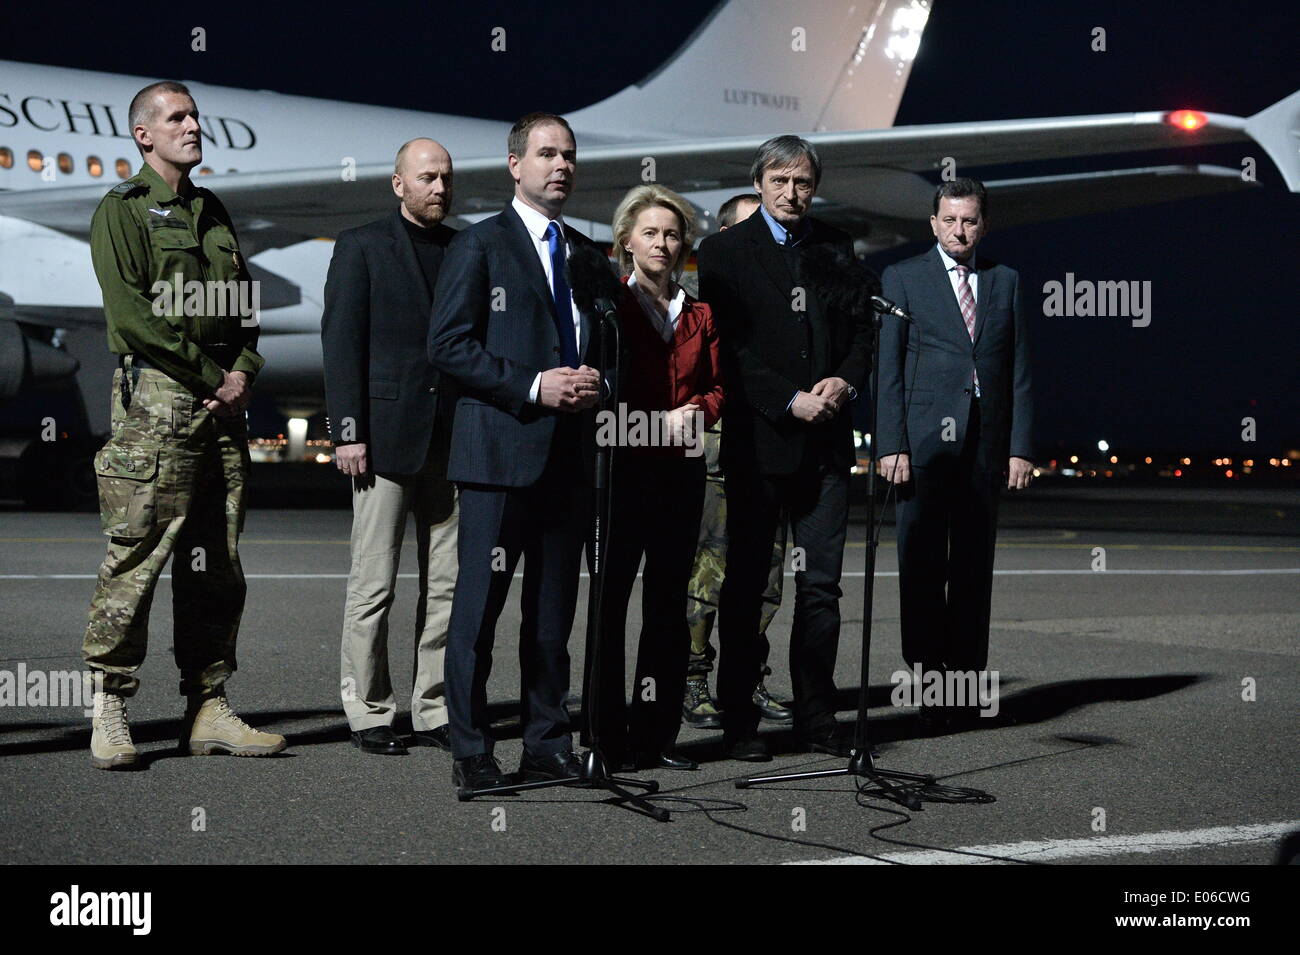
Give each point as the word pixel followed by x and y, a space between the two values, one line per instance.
pixel 390 415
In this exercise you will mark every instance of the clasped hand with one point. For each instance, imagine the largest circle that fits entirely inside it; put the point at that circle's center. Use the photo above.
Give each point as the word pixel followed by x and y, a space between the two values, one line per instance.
pixel 569 389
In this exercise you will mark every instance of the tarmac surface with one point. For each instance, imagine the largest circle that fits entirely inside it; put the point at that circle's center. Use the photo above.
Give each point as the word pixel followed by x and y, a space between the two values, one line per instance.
pixel 1147 713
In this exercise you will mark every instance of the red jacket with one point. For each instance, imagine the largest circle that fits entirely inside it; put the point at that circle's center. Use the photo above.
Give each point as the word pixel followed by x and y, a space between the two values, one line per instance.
pixel 659 375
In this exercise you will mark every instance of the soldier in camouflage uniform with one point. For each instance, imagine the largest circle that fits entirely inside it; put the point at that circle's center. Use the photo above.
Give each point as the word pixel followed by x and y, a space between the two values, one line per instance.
pixel 172 475
pixel 698 708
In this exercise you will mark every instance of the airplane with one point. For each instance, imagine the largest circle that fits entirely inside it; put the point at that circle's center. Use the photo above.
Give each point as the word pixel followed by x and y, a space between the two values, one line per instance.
pixel 295 171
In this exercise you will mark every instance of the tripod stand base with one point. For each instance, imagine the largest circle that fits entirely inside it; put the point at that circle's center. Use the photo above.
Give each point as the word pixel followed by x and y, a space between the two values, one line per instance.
pixel 593 775
pixel 861 767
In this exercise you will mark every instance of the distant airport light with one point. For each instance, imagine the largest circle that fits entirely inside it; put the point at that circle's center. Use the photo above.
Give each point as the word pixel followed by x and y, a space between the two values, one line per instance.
pixel 1228 473
pixel 1249 462
pixel 1189 119
pixel 297 439
pixel 1103 446
pixel 1187 461
pixel 1178 472
pixel 1074 459
pixel 323 459
pixel 1148 460
pixel 1114 460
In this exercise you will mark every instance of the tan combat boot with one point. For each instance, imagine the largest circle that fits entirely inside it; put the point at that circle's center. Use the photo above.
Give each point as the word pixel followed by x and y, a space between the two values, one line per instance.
pixel 110 736
pixel 214 728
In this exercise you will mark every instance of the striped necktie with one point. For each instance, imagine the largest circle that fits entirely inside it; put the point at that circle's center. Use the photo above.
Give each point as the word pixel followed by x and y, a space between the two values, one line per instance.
pixel 966 299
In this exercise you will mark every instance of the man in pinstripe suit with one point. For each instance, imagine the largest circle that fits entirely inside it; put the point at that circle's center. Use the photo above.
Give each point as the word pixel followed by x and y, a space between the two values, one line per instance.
pixel 505 325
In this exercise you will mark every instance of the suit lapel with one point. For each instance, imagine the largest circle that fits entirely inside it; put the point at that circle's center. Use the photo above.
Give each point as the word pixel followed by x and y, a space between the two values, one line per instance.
pixel 404 254
pixel 983 297
pixel 769 253
pixel 573 237
pixel 518 239
pixel 943 285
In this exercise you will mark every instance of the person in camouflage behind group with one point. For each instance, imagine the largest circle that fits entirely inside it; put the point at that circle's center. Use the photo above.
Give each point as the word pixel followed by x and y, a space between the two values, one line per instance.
pixel 171 477
pixel 698 708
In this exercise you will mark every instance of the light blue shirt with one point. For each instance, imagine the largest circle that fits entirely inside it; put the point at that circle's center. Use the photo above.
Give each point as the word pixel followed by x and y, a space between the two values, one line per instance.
pixel 779 232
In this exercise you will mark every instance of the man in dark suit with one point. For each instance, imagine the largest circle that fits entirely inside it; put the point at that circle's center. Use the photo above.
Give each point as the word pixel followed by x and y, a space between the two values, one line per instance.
pixel 956 415
pixel 390 420
pixel 791 365
pixel 506 327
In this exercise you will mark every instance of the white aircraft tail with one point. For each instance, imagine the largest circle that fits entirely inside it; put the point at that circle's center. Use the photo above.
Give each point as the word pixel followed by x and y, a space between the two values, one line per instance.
pixel 1277 129
pixel 757 66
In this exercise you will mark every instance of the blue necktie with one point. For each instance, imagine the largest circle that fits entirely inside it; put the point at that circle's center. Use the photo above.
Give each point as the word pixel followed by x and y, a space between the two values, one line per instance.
pixel 563 298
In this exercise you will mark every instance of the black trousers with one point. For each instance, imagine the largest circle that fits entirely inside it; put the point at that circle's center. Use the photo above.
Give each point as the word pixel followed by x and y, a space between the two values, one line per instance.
pixel 547 525
pixel 656 507
pixel 816 498
pixel 947 527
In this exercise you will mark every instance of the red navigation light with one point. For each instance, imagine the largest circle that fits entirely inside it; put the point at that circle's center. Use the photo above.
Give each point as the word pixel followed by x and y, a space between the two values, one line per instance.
pixel 1188 119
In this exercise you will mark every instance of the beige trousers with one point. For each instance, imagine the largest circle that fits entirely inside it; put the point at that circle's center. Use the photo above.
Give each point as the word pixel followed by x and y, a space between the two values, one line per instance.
pixel 380 504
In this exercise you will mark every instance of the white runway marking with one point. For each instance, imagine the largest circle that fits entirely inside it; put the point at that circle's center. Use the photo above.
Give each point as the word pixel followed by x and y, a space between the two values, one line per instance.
pixel 847 573
pixel 1047 850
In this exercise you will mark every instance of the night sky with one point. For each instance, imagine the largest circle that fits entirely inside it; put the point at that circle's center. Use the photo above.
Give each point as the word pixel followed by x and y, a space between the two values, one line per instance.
pixel 1223 342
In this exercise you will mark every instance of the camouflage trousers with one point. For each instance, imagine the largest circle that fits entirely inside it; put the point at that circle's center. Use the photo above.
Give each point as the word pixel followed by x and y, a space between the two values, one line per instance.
pixel 171 478
pixel 711 566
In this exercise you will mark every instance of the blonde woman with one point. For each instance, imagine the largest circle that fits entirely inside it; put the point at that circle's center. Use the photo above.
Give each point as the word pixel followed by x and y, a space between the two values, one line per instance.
pixel 670 389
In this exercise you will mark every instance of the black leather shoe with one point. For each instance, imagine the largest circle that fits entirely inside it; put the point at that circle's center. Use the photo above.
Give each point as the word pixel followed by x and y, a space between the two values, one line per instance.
pixel 476 772
pixel 379 739
pixel 439 738
pixel 933 721
pixel 834 742
pixel 561 765
pixel 964 718
pixel 749 748
pixel 652 760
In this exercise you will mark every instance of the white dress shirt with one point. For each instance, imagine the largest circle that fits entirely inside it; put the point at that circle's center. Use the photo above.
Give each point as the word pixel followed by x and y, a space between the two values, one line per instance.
pixel 972 280
pixel 536 224
pixel 666 327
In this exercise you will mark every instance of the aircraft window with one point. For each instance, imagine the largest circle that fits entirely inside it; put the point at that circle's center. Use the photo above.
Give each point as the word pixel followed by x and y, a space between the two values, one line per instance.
pixel 232 170
pixel 94 166
pixel 205 170
pixel 35 160
pixel 6 158
pixel 122 168
pixel 65 163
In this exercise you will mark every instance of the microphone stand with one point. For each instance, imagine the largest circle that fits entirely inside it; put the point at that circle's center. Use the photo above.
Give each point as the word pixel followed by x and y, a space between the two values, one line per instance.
pixel 860 766
pixel 594 773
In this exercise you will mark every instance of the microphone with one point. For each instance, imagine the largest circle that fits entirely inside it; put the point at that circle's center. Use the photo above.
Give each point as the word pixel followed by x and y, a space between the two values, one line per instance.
pixel 887 307
pixel 594 285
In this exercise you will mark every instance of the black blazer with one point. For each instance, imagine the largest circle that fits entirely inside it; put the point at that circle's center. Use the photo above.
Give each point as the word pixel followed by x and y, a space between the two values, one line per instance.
pixel 940 360
pixel 373 334
pixel 770 350
pixel 493 330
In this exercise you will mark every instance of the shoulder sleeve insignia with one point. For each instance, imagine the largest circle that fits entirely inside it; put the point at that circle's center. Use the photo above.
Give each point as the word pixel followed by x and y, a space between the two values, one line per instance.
pixel 123 188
